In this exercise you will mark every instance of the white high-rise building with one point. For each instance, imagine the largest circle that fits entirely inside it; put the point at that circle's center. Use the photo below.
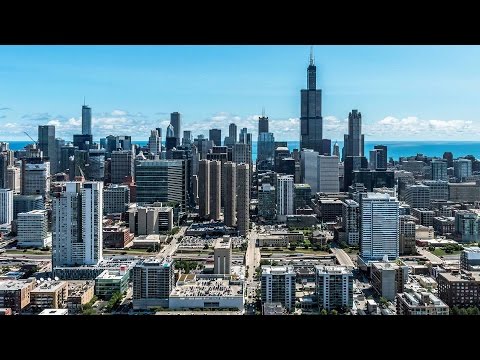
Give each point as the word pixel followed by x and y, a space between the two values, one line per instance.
pixel 379 228
pixel 334 287
pixel 285 196
pixel 32 229
pixel 77 225
pixel 155 143
pixel 328 174
pixel 278 285
pixel 6 206
pixel 13 179
pixel 308 169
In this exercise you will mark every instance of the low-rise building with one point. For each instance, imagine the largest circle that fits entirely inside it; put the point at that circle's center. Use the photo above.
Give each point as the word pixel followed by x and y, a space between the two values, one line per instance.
pixel 15 294
pixel 79 294
pixel 389 278
pixel 32 229
pixel 207 292
pixel 424 232
pixel 444 225
pixel 49 295
pixel 116 236
pixel 420 303
pixel 54 312
pixel 425 216
pixel 470 258
pixel 460 289
pixel 90 272
pixel 110 282
pixel 279 238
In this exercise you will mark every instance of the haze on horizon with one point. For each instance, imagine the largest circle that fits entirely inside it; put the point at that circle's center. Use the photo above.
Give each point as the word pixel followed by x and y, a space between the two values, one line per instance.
pixel 403 92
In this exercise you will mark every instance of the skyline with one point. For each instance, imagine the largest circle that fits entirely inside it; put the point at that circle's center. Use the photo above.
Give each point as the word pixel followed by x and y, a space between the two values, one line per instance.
pixel 403 92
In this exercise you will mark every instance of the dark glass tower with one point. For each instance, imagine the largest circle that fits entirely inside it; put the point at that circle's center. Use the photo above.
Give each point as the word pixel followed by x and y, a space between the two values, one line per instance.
pixel 311 122
pixel 263 124
pixel 216 136
pixel 86 120
pixel 354 140
pixel 175 121
pixel 382 156
pixel 46 143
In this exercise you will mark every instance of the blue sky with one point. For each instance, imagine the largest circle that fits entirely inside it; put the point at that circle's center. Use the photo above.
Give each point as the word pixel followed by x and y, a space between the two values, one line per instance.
pixel 403 92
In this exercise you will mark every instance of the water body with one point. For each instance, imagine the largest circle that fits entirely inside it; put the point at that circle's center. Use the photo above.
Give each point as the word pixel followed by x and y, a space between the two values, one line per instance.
pixel 396 149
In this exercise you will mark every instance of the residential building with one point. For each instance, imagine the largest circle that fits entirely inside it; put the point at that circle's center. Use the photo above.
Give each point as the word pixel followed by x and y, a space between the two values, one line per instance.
pixel 13 179
pixel 267 202
pixel 407 235
pixel 439 170
pixel 420 303
pixel 116 199
pixel 116 236
pixel 6 206
pixel 467 226
pixel 215 191
pixel 15 294
pixel 470 258
pixel 462 168
pixel 389 278
pixel 80 293
pixel 459 289
pixel 50 294
pixel 230 180
pixel 32 229
pixel 418 196
pixel 333 287
pixel 302 196
pixel 284 191
pixel 243 199
pixel 351 221
pixel 278 285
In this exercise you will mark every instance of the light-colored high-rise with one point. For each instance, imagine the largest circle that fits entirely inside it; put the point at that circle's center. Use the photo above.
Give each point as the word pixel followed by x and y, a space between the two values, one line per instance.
pixel 278 285
pixel 350 221
pixel 155 143
pixel 223 256
pixel 204 188
pixel 215 185
pixel 32 229
pixel 36 178
pixel 334 287
pixel 309 169
pixel 328 174
pixel 6 206
pixel 243 199
pixel 285 199
pixel 13 179
pixel 379 228
pixel 77 225
pixel 418 196
pixel 230 208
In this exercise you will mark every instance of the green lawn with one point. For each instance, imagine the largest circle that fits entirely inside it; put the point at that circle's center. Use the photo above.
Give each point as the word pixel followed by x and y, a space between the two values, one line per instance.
pixel 440 252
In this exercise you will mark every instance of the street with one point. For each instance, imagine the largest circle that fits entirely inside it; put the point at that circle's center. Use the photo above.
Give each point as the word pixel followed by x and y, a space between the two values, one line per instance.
pixel 252 261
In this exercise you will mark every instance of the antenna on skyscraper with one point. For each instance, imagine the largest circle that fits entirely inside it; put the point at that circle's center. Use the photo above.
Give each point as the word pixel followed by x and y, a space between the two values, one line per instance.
pixel 263 111
pixel 312 58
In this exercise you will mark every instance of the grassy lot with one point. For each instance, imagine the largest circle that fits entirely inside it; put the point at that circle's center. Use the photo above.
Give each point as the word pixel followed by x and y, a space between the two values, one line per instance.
pixel 441 252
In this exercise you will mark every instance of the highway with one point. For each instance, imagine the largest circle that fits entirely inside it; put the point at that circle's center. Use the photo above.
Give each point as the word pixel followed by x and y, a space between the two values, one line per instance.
pixel 343 258
pixel 252 261
pixel 169 250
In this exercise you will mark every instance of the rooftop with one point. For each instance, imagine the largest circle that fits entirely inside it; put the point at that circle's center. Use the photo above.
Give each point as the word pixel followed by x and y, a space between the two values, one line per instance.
pixel 111 275
pixel 277 270
pixel 15 284
pixel 33 212
pixel 54 312
pixel 332 270
pixel 463 276
pixel 49 286
pixel 386 265
pixel 78 288
pixel 206 287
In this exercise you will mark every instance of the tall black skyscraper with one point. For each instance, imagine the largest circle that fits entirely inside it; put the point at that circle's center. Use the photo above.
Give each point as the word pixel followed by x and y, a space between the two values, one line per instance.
pixel 311 122
pixel 46 143
pixel 381 156
pixel 354 140
pixel 263 124
pixel 216 136
pixel 86 120
pixel 175 121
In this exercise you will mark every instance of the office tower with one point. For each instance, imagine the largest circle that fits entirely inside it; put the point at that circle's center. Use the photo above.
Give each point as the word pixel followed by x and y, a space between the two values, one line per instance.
pixel 95 170
pixel 374 178
pixel 378 227
pixel 448 156
pixel 86 120
pixel 280 153
pixel 352 163
pixel 215 135
pixel 351 222
pixel 354 141
pixel 265 151
pixel 462 168
pixel 372 163
pixel 230 180
pixel 333 287
pixel 406 235
pixel 284 196
pixel 242 153
pixel 82 142
pixel 467 226
pixel 326 147
pixel 382 156
pixel 231 139
pixel 263 124
pixel 162 181
pixel 278 285
pixel 13 179
pixel 66 152
pixel 439 170
pixel 116 199
pixel 32 229
pixel 243 199
pixel 309 168
pixel 287 166
pixel 153 281
pixel 438 189
pixel 6 160
pixel 204 189
pixel 311 122
pixel 175 121
pixel 243 138
pixel 195 189
pixel 147 220
pixel 26 203
pixel 328 181
pixel 35 177
pixel 336 150
pixel 266 202
pixel 389 278
pixel 6 206
pixel 222 256
pixel 77 225
pixel 187 137
pixel 203 146
pixel 215 184
pixel 155 143
pixel 78 164
pixel 418 196
pixel 171 140
pixel 302 194
pixel 121 166
pixel 113 143
pixel 46 143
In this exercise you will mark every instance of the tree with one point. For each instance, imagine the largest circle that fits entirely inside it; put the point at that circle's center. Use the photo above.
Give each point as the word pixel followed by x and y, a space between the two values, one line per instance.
pixel 334 312
pixel 324 312
pixel 383 302
pixel 205 247
pixel 264 262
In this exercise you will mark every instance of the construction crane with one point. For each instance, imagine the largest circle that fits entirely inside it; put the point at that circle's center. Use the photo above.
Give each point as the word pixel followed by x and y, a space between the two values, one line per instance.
pixel 36 143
